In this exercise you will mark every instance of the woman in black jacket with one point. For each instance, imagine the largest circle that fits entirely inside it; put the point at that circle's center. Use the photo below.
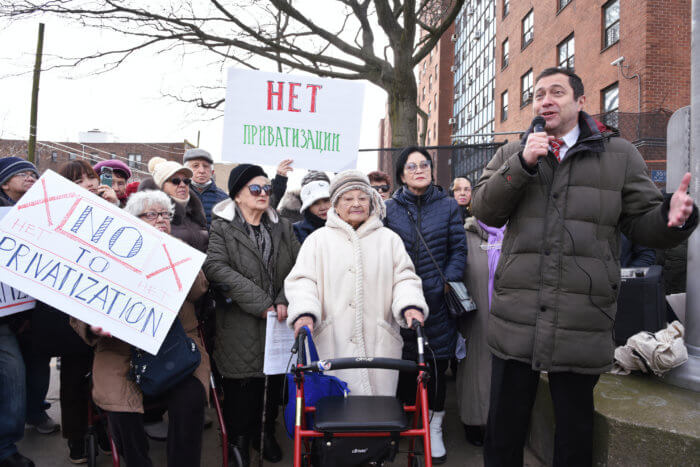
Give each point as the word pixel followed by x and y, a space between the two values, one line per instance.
pixel 420 205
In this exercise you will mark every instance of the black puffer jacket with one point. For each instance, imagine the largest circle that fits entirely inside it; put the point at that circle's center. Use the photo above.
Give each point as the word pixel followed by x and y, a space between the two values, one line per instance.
pixel 441 225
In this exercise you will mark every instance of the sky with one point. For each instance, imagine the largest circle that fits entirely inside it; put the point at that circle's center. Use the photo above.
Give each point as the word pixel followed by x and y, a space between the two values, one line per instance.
pixel 129 101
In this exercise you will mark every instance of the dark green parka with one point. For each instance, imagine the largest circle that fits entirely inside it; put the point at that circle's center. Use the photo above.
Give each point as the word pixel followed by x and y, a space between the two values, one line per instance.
pixel 557 280
pixel 235 265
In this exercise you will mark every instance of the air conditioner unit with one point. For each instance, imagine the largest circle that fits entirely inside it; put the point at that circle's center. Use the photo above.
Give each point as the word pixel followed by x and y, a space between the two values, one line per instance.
pixel 454 38
pixel 457 95
pixel 470 11
pixel 526 96
pixel 452 121
pixel 453 68
pixel 477 35
pixel 528 37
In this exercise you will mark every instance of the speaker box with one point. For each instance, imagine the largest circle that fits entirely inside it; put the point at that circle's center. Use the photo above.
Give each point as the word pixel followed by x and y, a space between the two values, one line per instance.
pixel 641 305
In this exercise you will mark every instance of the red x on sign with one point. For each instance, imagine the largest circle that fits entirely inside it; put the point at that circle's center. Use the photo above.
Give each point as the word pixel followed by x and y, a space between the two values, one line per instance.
pixel 171 266
pixel 46 200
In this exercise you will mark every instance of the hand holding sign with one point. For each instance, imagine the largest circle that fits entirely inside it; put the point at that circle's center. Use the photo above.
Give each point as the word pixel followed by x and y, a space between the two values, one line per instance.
pixel 85 256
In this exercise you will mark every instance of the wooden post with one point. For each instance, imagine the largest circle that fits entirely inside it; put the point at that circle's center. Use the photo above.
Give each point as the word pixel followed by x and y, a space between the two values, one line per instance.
pixel 31 150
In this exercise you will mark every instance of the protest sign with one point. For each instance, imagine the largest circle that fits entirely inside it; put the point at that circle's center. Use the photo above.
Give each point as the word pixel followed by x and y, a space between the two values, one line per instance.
pixel 274 116
pixel 12 300
pixel 83 255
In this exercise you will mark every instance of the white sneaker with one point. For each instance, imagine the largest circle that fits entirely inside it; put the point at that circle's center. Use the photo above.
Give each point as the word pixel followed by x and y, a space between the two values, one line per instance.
pixel 157 430
pixel 437 446
pixel 47 426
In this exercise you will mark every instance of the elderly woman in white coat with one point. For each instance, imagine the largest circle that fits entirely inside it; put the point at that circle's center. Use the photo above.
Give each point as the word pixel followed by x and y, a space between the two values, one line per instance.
pixel 354 285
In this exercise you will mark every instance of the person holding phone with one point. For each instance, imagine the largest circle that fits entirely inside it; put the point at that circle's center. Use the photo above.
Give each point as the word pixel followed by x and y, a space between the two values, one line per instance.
pixel 120 175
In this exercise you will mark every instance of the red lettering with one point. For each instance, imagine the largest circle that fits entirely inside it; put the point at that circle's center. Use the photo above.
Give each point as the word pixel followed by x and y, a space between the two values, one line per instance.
pixel 314 89
pixel 293 96
pixel 278 93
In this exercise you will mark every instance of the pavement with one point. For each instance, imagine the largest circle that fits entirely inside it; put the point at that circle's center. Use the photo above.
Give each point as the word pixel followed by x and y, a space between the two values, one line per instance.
pixel 52 451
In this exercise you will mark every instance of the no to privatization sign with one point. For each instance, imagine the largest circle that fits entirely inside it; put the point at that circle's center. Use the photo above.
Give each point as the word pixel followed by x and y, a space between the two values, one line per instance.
pixel 83 255
pixel 274 116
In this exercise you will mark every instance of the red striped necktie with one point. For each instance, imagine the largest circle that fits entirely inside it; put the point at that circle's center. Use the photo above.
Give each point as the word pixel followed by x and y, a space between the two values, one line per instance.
pixel 556 145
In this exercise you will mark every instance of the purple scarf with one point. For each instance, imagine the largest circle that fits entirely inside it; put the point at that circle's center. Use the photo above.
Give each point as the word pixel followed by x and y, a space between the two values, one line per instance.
pixel 493 252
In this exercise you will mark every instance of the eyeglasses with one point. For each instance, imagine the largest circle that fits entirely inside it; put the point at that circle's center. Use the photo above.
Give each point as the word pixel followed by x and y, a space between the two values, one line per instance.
pixel 256 190
pixel 153 215
pixel 382 188
pixel 27 174
pixel 412 167
pixel 177 180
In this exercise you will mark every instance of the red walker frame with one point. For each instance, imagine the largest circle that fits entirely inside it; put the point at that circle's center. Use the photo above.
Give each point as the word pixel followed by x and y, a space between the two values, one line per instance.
pixel 419 411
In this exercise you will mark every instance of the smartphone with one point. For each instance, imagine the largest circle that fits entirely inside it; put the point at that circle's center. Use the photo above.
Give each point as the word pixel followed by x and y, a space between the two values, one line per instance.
pixel 106 176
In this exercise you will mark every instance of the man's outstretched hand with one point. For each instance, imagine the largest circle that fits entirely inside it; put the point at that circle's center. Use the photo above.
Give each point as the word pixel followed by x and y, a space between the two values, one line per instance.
pixel 681 204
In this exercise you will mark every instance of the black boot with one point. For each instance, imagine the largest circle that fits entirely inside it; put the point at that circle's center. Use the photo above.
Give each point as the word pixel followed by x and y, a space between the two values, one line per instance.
pixel 239 451
pixel 474 434
pixel 272 452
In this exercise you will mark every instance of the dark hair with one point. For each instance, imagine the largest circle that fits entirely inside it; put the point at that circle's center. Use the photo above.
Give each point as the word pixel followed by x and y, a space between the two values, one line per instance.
pixel 74 170
pixel 574 79
pixel 379 176
pixel 403 157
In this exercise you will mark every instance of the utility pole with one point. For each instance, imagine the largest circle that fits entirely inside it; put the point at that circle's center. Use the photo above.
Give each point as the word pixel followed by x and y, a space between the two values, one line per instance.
pixel 35 97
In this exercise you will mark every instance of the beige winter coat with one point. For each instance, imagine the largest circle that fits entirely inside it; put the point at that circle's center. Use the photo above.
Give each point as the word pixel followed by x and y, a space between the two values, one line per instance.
pixel 356 284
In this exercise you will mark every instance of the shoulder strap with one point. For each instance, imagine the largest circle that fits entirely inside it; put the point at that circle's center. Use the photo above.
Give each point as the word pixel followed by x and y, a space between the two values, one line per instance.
pixel 410 216
pixel 313 354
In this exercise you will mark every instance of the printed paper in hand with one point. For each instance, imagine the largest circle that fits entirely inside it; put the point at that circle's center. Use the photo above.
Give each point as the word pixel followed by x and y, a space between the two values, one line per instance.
pixel 279 340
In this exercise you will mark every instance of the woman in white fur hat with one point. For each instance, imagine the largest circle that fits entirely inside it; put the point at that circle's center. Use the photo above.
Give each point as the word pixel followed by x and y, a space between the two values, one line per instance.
pixel 354 285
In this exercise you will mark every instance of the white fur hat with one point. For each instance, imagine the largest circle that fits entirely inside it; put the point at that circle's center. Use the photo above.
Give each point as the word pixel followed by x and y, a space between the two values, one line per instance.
pixel 312 192
pixel 163 170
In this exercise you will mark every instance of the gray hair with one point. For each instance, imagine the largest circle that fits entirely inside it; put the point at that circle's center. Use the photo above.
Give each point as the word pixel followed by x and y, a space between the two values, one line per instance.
pixel 142 200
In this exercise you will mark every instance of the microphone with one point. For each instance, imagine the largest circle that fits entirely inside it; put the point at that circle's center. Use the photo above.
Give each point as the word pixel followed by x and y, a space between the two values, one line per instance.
pixel 538 124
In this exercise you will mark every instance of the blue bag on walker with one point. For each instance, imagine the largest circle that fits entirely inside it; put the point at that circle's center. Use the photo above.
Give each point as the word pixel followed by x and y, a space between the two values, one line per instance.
pixel 316 386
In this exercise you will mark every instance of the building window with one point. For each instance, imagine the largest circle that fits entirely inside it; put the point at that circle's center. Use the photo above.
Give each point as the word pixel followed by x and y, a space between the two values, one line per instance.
pixel 609 104
pixel 505 50
pixel 72 156
pixel 506 7
pixel 54 156
pixel 563 3
pixel 134 159
pixel 528 28
pixel 526 88
pixel 504 106
pixel 565 52
pixel 436 70
pixel 611 19
pixel 430 82
pixel 113 156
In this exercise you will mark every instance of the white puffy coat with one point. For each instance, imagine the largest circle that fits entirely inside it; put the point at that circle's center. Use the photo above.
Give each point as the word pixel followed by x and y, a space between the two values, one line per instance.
pixel 356 284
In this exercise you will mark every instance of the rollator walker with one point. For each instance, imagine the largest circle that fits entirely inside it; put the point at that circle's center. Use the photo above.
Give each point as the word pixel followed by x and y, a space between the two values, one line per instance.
pixel 361 430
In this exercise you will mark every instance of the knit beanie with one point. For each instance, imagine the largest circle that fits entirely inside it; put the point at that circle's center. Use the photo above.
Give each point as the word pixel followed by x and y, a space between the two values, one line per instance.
pixel 312 192
pixel 153 162
pixel 241 175
pixel 11 166
pixel 163 170
pixel 356 180
pixel 315 175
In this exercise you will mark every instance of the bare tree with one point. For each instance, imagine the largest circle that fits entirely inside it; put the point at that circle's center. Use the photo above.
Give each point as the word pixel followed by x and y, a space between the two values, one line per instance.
pixel 336 38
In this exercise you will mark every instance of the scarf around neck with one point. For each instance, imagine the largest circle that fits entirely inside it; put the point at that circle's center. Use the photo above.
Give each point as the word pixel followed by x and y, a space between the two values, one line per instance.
pixel 493 252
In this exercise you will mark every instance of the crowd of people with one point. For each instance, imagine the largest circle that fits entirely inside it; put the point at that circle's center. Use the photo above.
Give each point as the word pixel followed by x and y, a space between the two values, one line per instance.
pixel 355 258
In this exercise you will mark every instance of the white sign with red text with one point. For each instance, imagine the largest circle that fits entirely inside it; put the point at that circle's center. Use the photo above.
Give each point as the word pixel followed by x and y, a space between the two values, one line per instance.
pixel 274 116
pixel 83 255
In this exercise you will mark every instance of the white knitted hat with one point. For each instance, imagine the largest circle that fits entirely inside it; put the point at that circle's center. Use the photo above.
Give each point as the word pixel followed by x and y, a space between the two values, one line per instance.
pixel 312 192
pixel 163 170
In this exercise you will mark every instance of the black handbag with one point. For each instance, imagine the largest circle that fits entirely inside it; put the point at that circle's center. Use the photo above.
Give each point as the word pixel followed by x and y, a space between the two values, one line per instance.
pixel 177 359
pixel 457 298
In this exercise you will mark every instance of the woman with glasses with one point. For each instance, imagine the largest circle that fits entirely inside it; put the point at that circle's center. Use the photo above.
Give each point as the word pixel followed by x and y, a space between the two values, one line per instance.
pixel 381 182
pixel 251 251
pixel 354 285
pixel 419 208
pixel 189 223
pixel 113 390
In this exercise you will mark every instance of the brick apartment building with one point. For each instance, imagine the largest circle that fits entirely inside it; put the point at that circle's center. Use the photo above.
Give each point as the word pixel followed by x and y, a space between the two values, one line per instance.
pixel 51 155
pixel 435 98
pixel 653 36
